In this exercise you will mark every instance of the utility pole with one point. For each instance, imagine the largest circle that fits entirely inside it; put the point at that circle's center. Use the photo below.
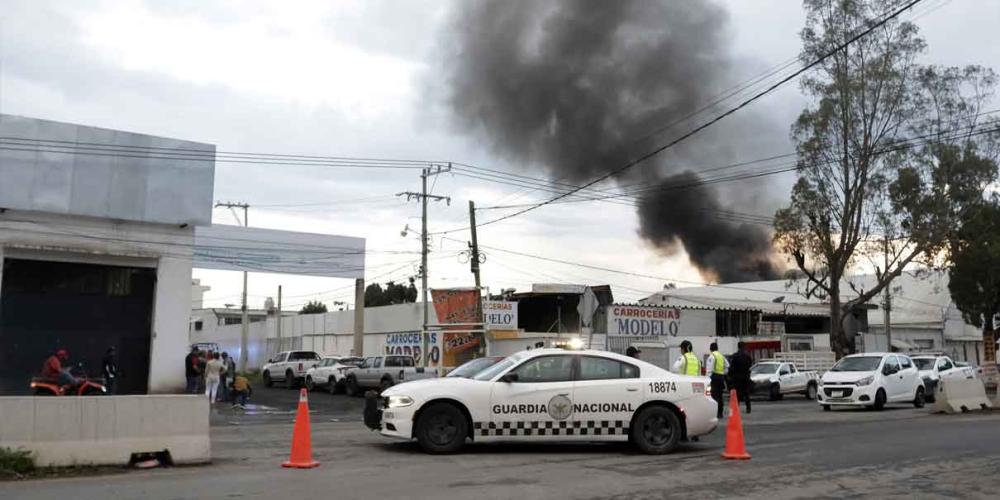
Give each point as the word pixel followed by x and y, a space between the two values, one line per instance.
pixel 887 302
pixel 245 317
pixel 423 196
pixel 474 246
pixel 474 261
pixel 278 324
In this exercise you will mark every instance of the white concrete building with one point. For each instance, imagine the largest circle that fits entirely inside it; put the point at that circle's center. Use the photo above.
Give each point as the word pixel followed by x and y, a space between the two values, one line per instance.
pixel 96 242
pixel 923 316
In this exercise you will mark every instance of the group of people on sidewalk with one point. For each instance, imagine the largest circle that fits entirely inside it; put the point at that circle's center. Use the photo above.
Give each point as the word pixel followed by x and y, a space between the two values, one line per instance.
pixel 215 375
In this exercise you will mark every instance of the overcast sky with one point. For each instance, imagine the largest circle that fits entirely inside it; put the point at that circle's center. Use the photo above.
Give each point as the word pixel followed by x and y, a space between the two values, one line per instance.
pixel 363 78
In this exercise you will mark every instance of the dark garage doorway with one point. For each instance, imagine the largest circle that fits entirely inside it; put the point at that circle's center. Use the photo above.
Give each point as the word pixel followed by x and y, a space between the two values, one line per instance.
pixel 84 308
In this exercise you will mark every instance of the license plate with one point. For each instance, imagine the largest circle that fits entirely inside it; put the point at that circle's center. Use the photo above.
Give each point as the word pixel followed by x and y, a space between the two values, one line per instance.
pixel 388 415
pixel 836 394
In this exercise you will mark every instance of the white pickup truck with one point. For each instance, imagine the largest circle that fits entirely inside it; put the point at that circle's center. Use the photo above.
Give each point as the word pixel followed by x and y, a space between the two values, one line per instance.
pixel 777 378
pixel 289 367
pixel 383 372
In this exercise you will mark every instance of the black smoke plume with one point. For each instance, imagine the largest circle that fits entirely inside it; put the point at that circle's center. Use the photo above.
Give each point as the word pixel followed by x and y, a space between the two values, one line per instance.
pixel 578 87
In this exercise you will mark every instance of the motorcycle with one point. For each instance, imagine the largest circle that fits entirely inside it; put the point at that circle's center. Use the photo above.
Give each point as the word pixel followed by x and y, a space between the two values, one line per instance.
pixel 85 386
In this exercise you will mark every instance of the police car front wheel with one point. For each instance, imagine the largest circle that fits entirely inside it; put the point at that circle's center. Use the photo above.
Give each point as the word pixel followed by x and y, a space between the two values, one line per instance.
pixel 656 430
pixel 441 428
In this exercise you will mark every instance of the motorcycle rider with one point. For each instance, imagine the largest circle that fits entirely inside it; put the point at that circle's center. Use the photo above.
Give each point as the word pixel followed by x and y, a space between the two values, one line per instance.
pixel 53 369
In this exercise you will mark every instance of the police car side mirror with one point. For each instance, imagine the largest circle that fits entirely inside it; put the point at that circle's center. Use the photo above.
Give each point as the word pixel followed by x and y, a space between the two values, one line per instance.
pixel 508 378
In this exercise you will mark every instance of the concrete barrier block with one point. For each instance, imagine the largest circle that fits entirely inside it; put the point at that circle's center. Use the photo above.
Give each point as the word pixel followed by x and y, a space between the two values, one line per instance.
pixel 16 418
pixel 957 395
pixel 106 430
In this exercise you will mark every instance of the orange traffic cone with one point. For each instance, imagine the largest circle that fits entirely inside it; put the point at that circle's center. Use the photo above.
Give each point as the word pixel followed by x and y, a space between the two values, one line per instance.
pixel 302 455
pixel 736 449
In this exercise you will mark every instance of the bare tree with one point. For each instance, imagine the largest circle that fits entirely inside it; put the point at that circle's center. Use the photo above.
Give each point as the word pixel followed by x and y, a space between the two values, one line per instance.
pixel 888 155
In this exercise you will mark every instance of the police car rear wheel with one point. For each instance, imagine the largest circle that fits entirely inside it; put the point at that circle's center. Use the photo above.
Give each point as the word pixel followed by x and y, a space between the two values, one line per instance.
pixel 656 431
pixel 441 428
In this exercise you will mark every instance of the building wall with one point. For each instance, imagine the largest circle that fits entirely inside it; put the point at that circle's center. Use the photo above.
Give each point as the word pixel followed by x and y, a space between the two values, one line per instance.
pixel 110 242
pixel 153 188
pixel 331 333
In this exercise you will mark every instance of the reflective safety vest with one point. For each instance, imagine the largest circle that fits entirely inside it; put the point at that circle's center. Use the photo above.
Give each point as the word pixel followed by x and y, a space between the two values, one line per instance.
pixel 719 367
pixel 691 365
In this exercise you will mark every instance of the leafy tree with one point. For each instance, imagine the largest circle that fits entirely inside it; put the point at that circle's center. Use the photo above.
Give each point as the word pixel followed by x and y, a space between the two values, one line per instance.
pixel 889 155
pixel 313 307
pixel 393 293
pixel 975 269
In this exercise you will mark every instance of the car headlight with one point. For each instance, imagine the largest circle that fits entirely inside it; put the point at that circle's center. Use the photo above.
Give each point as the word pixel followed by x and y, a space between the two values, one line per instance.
pixel 399 401
pixel 867 380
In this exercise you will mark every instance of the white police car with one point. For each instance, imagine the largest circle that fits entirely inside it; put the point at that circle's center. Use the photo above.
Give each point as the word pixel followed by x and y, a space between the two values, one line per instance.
pixel 549 395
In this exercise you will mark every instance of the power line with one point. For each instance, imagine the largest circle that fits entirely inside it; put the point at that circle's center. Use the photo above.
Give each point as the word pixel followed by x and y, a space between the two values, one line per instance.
pixel 967 131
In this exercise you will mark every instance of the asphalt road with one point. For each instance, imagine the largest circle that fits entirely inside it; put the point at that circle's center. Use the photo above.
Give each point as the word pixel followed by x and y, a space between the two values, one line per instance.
pixel 798 451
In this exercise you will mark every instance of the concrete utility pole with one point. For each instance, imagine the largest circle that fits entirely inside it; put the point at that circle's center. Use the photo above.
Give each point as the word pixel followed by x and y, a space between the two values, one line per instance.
pixel 359 317
pixel 278 324
pixel 245 317
pixel 423 196
pixel 887 303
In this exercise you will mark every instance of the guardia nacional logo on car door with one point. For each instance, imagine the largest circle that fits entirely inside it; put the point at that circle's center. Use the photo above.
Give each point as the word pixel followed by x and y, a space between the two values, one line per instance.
pixel 560 407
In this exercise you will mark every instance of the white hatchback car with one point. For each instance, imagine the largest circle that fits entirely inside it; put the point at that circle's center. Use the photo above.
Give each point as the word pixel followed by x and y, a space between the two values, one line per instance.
pixel 872 380
pixel 330 373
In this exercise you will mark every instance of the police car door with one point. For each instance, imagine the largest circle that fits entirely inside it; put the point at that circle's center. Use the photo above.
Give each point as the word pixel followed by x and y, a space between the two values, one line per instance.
pixel 534 400
pixel 605 395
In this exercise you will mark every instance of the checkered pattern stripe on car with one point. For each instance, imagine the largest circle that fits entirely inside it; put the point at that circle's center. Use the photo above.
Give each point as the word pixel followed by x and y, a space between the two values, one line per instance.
pixel 551 428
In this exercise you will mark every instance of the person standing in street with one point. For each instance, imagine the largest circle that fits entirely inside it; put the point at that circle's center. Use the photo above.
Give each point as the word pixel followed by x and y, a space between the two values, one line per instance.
pixel 717 372
pixel 191 371
pixel 109 367
pixel 687 363
pixel 213 377
pixel 739 373
pixel 227 377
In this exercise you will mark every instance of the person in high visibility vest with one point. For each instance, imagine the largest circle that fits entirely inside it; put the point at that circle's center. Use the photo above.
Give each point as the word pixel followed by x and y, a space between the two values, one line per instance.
pixel 717 366
pixel 688 363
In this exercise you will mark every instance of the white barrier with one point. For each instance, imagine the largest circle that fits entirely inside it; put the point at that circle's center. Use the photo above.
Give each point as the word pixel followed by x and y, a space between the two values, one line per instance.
pixel 960 394
pixel 106 430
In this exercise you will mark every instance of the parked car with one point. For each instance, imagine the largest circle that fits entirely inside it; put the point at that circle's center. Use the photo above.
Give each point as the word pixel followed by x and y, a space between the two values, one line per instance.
pixel 470 368
pixel 383 372
pixel 933 368
pixel 289 367
pixel 872 380
pixel 330 373
pixel 969 369
pixel 777 378
pixel 206 346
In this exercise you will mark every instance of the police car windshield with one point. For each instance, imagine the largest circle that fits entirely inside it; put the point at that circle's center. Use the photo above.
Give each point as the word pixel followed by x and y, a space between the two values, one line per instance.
pixel 496 369
pixel 764 368
pixel 473 367
pixel 924 363
pixel 858 364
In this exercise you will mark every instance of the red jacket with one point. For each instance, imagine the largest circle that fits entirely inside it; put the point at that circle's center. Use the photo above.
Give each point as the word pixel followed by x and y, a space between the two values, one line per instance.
pixel 51 368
